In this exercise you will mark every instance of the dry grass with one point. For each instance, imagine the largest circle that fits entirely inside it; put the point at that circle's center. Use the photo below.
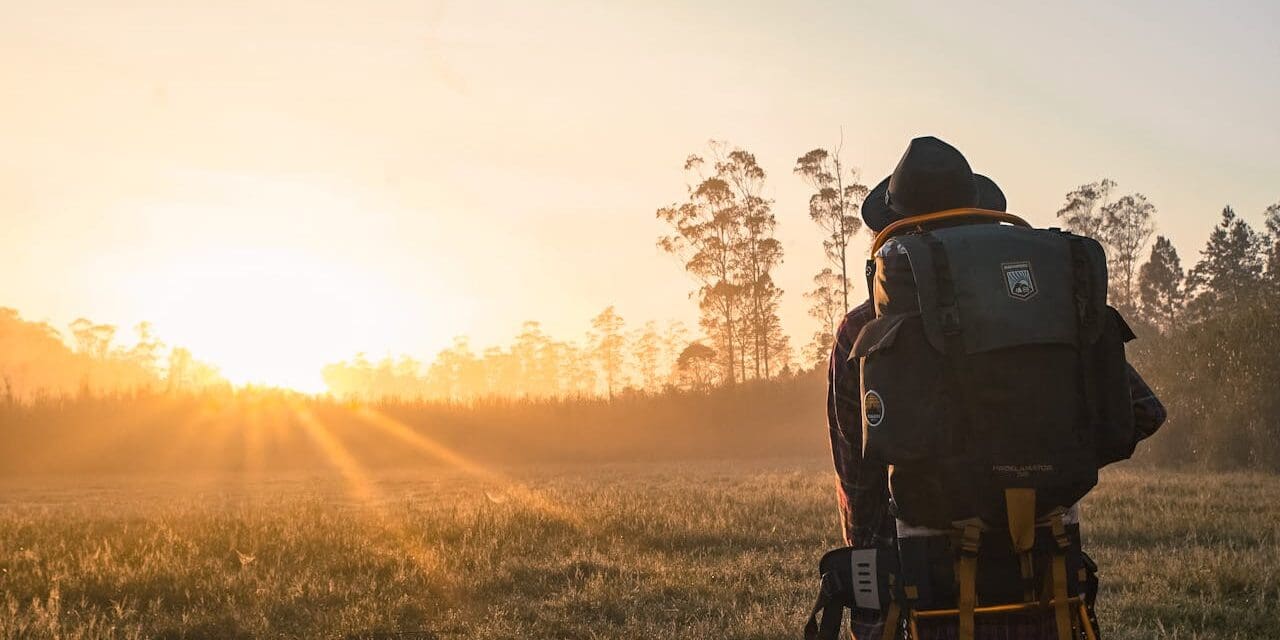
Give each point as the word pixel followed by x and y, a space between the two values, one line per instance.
pixel 721 549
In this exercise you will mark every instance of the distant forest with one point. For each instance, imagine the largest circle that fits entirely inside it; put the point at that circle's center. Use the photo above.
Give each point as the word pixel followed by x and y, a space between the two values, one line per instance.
pixel 1209 336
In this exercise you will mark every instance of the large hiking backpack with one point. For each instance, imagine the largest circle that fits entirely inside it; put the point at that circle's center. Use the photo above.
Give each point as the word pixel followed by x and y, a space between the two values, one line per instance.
pixel 994 386
pixel 993 363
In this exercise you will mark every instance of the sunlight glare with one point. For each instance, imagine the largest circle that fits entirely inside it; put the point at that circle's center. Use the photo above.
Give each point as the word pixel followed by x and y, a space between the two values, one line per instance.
pixel 272 317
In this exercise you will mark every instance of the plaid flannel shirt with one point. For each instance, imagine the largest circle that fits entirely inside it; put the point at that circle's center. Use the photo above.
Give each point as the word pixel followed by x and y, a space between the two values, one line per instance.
pixel 863 486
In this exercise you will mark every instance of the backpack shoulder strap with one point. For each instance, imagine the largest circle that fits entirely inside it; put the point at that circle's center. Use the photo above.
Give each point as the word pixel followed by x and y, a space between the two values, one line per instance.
pixel 826 626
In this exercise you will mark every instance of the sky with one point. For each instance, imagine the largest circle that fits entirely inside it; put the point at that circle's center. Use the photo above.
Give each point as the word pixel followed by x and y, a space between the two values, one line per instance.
pixel 280 184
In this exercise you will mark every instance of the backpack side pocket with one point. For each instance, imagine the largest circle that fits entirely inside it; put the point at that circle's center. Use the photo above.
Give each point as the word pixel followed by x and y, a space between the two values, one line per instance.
pixel 904 417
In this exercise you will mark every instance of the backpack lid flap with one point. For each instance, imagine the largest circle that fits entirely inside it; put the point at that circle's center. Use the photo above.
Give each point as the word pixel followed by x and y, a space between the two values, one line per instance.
pixel 1014 286
pixel 922 269
pixel 877 335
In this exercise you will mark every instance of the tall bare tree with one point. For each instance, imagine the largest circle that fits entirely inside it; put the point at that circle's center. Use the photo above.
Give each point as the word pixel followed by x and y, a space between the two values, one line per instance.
pixel 456 374
pixel 674 339
pixel 759 252
pixel 826 307
pixel 1127 225
pixel 1123 226
pixel 607 346
pixel 539 362
pixel 580 376
pixel 1082 213
pixel 503 376
pixel 707 236
pixel 646 347
pixel 833 206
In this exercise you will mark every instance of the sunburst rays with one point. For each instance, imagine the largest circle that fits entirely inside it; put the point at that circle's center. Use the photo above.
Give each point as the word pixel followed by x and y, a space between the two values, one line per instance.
pixel 520 493
pixel 365 492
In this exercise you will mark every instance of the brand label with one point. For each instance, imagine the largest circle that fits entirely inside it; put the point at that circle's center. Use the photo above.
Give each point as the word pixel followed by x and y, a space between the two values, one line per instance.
pixel 1022 470
pixel 1019 280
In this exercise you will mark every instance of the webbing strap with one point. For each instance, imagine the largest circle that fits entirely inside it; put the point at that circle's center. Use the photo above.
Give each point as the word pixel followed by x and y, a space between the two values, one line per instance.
pixel 1061 612
pixel 1087 320
pixel 948 313
pixel 1020 507
pixel 948 310
pixel 891 618
pixel 967 572
pixel 1082 290
pixel 1086 620
pixel 871 278
pixel 831 609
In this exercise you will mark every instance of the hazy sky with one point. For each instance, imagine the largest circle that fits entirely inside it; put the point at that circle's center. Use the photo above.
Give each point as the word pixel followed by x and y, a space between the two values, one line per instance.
pixel 281 184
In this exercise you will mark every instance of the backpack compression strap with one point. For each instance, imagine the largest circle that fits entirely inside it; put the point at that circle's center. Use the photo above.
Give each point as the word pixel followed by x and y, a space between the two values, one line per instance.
pixel 1020 508
pixel 967 572
pixel 831 606
pixel 950 214
pixel 1062 614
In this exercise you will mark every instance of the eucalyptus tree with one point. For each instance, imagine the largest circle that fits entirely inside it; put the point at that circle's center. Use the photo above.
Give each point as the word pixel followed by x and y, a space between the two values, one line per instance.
pixel 834 207
pixel 707 234
pixel 826 307
pixel 1127 225
pixel 1082 213
pixel 759 252
pixel 607 346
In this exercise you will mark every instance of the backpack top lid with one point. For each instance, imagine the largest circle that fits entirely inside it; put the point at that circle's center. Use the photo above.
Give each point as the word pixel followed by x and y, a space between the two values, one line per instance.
pixel 1013 285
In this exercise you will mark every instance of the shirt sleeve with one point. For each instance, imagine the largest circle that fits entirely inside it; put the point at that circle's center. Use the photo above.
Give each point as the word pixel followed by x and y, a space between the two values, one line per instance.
pixel 862 488
pixel 1148 412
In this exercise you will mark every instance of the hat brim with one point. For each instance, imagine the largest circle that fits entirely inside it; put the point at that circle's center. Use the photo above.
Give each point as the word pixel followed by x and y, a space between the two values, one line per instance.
pixel 877 214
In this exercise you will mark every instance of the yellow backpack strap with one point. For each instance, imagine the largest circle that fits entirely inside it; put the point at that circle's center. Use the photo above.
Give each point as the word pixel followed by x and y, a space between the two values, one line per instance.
pixel 891 618
pixel 967 573
pixel 897 226
pixel 1089 633
pixel 1061 610
pixel 1020 505
pixel 894 613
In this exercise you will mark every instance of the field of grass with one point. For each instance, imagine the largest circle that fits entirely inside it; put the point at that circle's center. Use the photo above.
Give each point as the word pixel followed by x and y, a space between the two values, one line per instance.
pixel 714 550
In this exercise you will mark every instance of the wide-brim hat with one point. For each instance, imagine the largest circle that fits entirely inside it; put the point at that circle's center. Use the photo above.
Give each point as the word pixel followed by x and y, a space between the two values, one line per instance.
pixel 931 176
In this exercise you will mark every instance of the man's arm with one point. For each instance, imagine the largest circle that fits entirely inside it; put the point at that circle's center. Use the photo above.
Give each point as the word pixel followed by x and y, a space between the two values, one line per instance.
pixel 862 489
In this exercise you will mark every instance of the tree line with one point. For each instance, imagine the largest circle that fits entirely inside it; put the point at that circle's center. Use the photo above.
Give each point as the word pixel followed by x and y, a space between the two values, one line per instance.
pixel 609 360
pixel 723 234
pixel 1209 340
pixel 38 360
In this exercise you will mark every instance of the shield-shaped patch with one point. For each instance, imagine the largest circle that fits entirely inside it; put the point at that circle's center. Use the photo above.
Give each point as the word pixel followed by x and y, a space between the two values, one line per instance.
pixel 1019 281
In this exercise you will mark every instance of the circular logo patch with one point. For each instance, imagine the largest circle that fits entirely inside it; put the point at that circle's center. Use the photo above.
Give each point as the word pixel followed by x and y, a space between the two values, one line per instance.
pixel 873 408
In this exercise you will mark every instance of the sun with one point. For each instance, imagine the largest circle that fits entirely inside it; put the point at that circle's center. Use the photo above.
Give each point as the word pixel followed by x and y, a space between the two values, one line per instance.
pixel 268 316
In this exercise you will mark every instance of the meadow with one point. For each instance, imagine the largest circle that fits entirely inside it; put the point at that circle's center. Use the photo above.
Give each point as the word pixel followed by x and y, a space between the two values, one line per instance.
pixel 715 549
